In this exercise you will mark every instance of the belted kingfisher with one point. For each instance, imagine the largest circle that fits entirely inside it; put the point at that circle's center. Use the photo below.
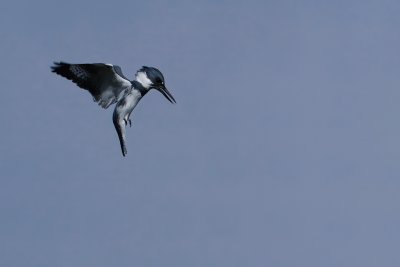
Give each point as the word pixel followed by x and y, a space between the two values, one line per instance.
pixel 108 85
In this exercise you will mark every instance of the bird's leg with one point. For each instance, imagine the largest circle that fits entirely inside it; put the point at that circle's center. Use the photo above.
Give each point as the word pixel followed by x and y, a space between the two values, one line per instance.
pixel 126 120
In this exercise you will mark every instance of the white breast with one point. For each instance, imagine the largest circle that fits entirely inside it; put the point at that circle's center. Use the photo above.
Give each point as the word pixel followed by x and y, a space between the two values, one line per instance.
pixel 129 102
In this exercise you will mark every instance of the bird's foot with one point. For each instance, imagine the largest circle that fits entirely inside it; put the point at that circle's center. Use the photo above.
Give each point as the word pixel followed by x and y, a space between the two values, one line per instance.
pixel 128 121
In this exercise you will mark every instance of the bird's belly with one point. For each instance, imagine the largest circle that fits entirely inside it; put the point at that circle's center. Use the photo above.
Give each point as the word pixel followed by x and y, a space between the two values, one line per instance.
pixel 128 103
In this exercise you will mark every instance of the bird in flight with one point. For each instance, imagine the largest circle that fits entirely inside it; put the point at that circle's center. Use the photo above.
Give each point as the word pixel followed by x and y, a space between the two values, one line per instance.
pixel 108 85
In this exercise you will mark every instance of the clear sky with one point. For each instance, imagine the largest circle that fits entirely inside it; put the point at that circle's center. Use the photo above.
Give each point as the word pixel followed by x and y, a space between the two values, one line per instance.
pixel 283 149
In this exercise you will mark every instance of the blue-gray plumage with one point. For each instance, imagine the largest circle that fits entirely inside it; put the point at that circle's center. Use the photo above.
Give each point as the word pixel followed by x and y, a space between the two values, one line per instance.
pixel 108 85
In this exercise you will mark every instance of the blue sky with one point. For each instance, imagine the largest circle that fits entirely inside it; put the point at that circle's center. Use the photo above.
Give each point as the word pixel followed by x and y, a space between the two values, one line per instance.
pixel 283 149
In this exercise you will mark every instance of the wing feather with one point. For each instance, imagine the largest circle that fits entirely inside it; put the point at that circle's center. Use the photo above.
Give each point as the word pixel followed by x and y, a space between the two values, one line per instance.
pixel 105 82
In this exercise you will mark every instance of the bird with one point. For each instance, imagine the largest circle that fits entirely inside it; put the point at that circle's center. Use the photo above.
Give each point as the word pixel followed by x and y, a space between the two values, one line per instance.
pixel 108 85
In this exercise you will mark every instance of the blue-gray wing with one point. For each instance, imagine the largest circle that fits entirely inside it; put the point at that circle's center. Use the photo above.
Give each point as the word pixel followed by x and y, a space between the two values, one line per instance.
pixel 105 82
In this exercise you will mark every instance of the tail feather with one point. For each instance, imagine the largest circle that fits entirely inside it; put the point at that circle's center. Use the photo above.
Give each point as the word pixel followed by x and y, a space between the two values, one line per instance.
pixel 120 128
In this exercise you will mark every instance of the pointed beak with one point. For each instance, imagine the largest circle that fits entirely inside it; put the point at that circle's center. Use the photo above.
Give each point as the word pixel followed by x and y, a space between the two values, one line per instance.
pixel 163 90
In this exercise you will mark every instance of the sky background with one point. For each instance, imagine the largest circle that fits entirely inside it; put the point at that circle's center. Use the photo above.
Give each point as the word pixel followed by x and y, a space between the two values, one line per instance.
pixel 282 150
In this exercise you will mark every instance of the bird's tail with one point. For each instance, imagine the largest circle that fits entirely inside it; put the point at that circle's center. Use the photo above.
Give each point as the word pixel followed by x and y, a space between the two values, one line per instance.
pixel 120 127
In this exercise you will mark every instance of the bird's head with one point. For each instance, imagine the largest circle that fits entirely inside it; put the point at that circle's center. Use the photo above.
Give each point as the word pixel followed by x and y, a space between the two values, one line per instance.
pixel 152 78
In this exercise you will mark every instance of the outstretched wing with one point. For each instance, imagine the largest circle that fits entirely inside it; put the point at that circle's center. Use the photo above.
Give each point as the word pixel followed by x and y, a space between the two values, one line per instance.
pixel 104 81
